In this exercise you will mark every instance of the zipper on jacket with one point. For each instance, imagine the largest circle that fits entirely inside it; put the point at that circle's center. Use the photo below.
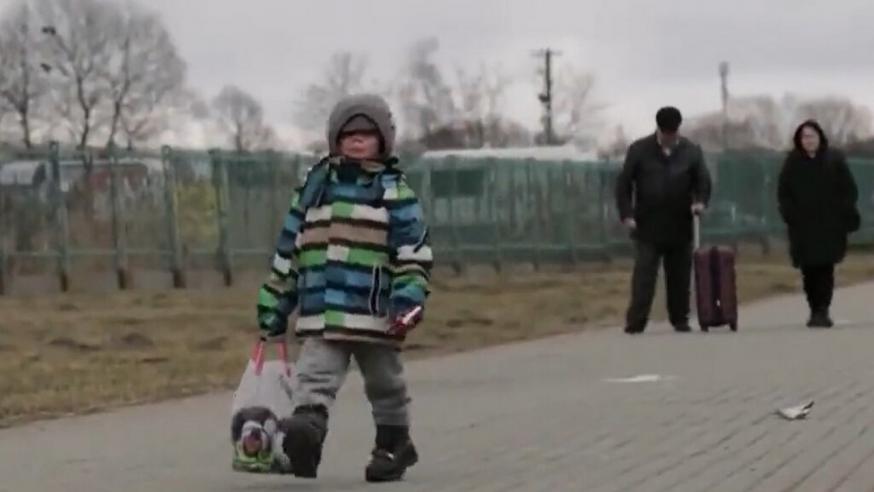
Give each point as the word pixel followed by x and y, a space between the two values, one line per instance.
pixel 375 289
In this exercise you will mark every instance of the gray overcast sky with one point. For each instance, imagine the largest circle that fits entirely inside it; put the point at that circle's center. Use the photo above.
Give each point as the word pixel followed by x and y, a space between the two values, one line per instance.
pixel 644 53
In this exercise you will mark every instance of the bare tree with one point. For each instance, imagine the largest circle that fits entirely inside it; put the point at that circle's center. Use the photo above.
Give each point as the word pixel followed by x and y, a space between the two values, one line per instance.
pixel 470 96
pixel 861 148
pixel 425 97
pixel 343 75
pixel 151 112
pixel 494 87
pixel 761 121
pixel 22 86
pixel 576 114
pixel 241 116
pixel 481 94
pixel 479 97
pixel 616 148
pixel 196 106
pixel 842 120
pixel 750 122
pixel 80 36
pixel 144 72
pixel 466 114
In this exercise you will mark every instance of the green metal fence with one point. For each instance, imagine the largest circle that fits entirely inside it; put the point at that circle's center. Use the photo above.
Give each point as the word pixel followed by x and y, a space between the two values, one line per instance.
pixel 69 214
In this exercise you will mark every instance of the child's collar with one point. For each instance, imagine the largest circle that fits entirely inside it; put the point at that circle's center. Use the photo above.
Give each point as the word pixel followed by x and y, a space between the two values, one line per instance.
pixel 369 166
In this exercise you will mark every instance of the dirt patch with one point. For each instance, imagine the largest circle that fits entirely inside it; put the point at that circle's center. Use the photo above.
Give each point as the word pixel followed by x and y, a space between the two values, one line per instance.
pixel 213 344
pixel 154 360
pixel 135 341
pixel 73 345
pixel 472 321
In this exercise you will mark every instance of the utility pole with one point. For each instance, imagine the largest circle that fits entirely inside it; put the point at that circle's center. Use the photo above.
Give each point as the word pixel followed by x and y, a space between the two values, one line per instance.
pixel 723 76
pixel 545 97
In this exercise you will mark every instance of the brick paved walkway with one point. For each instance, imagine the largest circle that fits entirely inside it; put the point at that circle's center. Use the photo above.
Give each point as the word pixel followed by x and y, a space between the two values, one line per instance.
pixel 538 416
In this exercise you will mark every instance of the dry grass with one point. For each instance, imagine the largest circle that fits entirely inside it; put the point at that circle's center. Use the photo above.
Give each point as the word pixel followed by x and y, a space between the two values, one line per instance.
pixel 79 353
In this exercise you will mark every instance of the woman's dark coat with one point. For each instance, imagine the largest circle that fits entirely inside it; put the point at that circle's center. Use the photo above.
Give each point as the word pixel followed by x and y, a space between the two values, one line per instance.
pixel 817 198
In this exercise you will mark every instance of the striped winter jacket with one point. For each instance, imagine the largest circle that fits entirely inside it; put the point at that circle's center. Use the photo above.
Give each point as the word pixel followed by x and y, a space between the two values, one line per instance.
pixel 352 254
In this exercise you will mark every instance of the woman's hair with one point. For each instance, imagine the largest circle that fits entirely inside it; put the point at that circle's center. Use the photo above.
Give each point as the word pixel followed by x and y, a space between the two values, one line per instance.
pixel 812 124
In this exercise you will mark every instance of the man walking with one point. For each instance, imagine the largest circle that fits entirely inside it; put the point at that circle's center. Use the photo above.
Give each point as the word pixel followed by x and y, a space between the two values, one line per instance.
pixel 663 182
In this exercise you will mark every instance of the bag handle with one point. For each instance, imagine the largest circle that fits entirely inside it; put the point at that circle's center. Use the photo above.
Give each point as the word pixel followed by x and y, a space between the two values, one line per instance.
pixel 258 356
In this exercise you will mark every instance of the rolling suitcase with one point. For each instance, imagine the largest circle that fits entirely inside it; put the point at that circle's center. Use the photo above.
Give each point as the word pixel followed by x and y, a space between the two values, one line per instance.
pixel 715 287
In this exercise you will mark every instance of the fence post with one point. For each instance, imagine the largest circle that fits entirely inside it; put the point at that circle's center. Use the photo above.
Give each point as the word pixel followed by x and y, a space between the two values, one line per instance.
pixel 62 228
pixel 570 210
pixel 275 211
pixel 514 217
pixel 533 212
pixel 119 233
pixel 171 208
pixel 3 261
pixel 545 197
pixel 495 215
pixel 220 183
pixel 242 227
pixel 453 226
pixel 603 207
pixel 765 197
pixel 4 237
pixel 430 199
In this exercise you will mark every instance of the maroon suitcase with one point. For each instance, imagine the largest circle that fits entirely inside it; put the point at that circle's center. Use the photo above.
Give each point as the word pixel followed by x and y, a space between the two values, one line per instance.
pixel 715 287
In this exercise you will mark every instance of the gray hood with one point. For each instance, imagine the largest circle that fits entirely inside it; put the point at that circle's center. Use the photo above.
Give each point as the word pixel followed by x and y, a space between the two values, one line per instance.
pixel 374 108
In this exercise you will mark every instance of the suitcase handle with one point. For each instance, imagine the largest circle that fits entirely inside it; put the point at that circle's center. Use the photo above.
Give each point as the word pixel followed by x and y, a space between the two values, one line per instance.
pixel 696 229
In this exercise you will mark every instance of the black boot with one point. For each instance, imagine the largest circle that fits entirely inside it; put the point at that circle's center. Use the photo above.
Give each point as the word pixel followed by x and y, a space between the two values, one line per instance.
pixel 820 318
pixel 393 454
pixel 682 328
pixel 825 319
pixel 634 329
pixel 305 434
pixel 813 319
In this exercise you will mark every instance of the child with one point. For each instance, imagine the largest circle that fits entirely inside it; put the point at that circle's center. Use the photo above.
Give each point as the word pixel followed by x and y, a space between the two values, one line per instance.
pixel 353 257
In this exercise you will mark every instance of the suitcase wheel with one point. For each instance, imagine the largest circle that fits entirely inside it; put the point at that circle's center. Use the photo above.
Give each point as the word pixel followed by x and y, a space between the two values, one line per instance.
pixel 733 326
pixel 705 328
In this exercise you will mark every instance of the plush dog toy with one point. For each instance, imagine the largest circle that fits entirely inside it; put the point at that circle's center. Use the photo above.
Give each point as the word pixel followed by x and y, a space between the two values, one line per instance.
pixel 253 431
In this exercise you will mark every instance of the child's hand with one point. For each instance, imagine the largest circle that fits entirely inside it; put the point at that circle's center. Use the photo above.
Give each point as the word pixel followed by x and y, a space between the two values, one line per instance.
pixel 269 337
pixel 403 323
pixel 275 335
pixel 272 327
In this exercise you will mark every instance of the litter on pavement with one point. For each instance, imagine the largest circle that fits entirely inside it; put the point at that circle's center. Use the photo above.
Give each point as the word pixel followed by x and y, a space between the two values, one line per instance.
pixel 797 412
pixel 640 378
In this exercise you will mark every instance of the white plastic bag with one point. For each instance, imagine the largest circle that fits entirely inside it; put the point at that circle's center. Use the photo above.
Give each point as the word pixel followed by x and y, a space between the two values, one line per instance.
pixel 261 400
pixel 269 385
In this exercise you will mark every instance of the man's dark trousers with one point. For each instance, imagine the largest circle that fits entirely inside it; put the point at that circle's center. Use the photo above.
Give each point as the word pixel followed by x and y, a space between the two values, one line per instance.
pixel 677 261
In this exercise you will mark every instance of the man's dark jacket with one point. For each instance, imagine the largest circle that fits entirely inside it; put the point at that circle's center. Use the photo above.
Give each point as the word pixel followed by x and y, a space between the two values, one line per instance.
pixel 658 190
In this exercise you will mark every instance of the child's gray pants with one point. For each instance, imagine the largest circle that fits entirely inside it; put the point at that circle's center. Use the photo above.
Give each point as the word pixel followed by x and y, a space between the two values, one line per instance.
pixel 322 366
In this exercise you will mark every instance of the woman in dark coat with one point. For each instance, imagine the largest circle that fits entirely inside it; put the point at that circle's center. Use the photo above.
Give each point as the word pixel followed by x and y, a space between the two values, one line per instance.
pixel 817 197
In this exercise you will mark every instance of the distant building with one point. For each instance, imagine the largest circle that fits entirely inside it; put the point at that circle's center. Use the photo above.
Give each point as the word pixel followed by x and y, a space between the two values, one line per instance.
pixel 551 153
